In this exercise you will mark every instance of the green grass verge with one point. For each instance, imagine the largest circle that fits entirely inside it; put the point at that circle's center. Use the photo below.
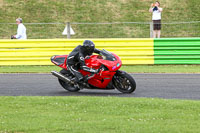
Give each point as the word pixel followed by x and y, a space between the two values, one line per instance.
pixel 47 11
pixel 131 69
pixel 98 114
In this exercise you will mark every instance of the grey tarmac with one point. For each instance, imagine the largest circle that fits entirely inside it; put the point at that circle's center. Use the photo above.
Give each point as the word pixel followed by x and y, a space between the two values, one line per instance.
pixel 167 86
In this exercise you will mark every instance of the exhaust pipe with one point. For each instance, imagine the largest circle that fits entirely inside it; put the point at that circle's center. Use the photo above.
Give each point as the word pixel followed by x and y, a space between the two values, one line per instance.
pixel 62 77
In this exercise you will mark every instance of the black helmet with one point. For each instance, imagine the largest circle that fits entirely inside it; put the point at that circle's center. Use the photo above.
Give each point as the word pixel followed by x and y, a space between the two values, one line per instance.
pixel 89 46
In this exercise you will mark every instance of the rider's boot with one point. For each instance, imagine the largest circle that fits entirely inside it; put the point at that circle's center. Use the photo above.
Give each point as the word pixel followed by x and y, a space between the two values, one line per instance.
pixel 78 83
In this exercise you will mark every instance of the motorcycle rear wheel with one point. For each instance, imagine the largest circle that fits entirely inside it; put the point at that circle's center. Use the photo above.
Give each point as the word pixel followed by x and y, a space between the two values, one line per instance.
pixel 124 82
pixel 65 85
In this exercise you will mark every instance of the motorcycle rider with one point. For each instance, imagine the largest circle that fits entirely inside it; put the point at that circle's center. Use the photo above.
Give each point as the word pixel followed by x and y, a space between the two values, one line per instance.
pixel 78 56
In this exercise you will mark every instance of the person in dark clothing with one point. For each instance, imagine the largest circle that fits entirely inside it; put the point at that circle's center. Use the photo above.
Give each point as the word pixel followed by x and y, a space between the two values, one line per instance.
pixel 78 56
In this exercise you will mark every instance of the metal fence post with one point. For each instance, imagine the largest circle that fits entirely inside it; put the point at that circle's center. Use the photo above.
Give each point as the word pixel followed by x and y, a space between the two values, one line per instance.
pixel 68 30
pixel 151 29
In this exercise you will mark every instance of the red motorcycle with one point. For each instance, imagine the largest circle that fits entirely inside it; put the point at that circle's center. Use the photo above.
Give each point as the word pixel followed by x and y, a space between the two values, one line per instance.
pixel 108 76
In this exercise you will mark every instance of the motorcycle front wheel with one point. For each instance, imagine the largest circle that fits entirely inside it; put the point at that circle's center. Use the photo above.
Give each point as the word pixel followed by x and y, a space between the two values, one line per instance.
pixel 124 82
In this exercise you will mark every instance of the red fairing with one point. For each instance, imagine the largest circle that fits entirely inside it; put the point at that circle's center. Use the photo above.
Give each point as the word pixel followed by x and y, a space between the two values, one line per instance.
pixel 104 77
pixel 112 65
pixel 95 61
pixel 60 60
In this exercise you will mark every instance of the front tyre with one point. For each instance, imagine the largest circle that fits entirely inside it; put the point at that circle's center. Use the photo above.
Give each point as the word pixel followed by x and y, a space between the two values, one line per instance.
pixel 124 82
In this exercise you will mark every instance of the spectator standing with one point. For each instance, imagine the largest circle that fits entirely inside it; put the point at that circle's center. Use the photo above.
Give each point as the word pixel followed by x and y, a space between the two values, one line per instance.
pixel 21 30
pixel 156 17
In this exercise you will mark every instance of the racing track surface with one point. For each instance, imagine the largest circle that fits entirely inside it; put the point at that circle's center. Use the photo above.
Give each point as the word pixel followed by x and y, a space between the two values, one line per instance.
pixel 169 86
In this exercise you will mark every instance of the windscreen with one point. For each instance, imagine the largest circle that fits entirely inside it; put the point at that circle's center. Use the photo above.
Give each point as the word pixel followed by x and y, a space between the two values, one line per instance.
pixel 107 55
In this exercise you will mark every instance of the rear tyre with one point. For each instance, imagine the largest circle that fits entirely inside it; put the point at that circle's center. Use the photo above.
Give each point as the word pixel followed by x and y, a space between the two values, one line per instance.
pixel 124 82
pixel 65 85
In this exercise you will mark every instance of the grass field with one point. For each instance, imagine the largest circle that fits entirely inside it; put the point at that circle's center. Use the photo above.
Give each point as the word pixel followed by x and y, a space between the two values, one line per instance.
pixel 130 69
pixel 98 114
pixel 48 11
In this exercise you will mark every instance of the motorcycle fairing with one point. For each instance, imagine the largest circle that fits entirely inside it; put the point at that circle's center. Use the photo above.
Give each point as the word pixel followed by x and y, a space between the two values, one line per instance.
pixel 60 60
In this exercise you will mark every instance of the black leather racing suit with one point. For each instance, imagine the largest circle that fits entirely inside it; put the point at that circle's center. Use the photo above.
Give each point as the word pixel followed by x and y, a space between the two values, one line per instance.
pixel 78 56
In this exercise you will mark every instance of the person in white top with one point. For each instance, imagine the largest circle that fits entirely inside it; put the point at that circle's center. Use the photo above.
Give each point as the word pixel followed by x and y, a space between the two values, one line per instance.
pixel 21 30
pixel 156 17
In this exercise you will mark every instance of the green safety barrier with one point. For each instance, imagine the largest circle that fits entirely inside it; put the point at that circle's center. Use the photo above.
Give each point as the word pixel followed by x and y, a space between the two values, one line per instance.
pixel 177 51
pixel 131 51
